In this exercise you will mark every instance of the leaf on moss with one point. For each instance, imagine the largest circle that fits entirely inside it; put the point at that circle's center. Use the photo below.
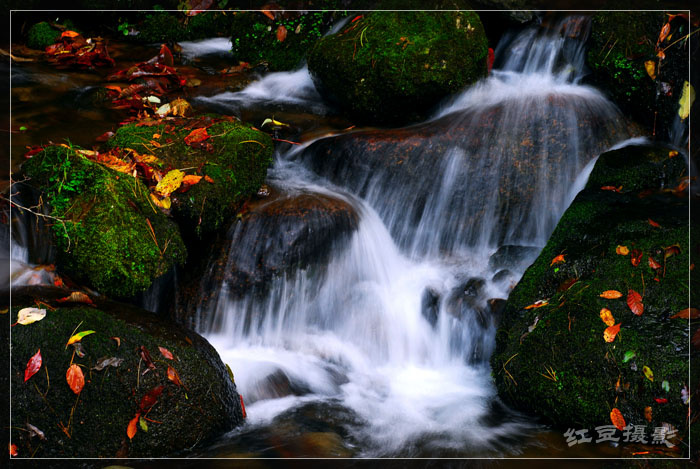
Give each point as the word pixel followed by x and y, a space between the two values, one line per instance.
pixel 686 101
pixel 33 365
pixel 191 179
pixel 170 183
pixel 612 189
pixel 622 250
pixel 653 223
pixel 636 257
pixel 196 136
pixel 174 376
pixel 76 297
pixel 634 301
pixel 650 66
pixel 104 362
pixel 557 260
pixel 131 429
pixel 75 378
pixel 653 264
pixel 537 304
pixel 611 332
pixel 611 294
pixel 166 353
pixel 78 337
pixel 648 373
pixel 607 317
pixel 150 398
pixel 27 316
pixel 617 419
pixel 143 424
pixel 281 33
pixel 687 313
pixel 671 250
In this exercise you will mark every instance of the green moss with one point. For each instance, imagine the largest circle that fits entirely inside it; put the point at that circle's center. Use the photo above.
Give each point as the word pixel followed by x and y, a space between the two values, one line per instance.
pixel 568 337
pixel 42 35
pixel 237 164
pixel 204 407
pixel 106 240
pixel 391 67
pixel 164 26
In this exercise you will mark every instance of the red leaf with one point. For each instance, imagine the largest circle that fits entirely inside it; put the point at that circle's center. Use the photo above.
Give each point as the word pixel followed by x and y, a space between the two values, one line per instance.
pixel 75 378
pixel 653 223
pixel 33 365
pixel 132 428
pixel 166 353
pixel 13 450
pixel 636 257
pixel 146 356
pixel 199 6
pixel 653 264
pixel 634 301
pixel 661 400
pixel 150 398
pixel 687 313
pixel 242 406
pixel 196 136
pixel 489 60
pixel 281 33
pixel 165 57
pixel 173 376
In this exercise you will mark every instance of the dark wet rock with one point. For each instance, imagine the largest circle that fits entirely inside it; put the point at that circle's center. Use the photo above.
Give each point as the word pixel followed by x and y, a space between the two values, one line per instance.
pixel 511 256
pixel 206 406
pixel 502 275
pixel 391 67
pixel 566 336
pixel 430 306
pixel 467 299
pixel 275 385
pixel 278 234
pixel 496 308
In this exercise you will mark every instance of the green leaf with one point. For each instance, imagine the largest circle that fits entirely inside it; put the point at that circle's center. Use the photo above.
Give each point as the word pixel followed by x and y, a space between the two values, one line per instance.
pixel 629 355
pixel 143 424
pixel 665 386
pixel 22 128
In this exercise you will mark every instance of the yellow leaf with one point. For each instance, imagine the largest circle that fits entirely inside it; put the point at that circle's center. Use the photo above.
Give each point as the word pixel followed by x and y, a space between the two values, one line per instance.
pixel 622 250
pixel 78 337
pixel 687 99
pixel 607 317
pixel 170 183
pixel 648 373
pixel 162 203
pixel 650 65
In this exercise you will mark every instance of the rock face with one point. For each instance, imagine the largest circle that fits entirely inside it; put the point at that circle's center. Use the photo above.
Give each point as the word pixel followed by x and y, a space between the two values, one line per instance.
pixel 95 423
pixel 563 339
pixel 105 241
pixel 621 46
pixel 277 234
pixel 392 67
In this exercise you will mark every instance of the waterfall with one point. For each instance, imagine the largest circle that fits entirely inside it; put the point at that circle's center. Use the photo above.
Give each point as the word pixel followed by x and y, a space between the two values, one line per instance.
pixel 397 325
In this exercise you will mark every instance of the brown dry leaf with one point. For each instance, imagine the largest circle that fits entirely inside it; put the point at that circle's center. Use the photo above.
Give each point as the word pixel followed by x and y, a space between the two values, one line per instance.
pixel 76 297
pixel 180 107
pixel 607 317
pixel 611 294
pixel 610 332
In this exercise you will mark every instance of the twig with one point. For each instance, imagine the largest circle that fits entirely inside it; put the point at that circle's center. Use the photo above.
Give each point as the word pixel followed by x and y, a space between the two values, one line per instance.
pixel 42 215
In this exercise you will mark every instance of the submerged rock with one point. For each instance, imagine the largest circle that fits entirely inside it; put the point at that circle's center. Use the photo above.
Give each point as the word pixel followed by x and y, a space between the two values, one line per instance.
pixel 553 360
pixel 391 67
pixel 94 423
pixel 105 238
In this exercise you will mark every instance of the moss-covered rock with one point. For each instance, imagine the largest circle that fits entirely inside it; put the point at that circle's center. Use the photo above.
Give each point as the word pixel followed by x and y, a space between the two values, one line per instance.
pixel 94 423
pixel 42 35
pixel 106 237
pixel 620 44
pixel 254 36
pixel 168 26
pixel 236 161
pixel 392 67
pixel 553 360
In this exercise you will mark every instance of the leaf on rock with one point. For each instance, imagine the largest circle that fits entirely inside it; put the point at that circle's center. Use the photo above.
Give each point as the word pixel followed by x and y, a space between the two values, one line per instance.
pixel 622 250
pixel 75 378
pixel 196 136
pixel 661 400
pixel 78 337
pixel 170 183
pixel 653 264
pixel 671 250
pixel 191 179
pixel 76 297
pixel 33 431
pixel 557 260
pixel 648 413
pixel 131 429
pixel 242 406
pixel 208 179
pixel 104 362
pixel 629 355
pixel 537 304
pixel 146 357
pixel 607 317
pixel 617 419
pixel 653 223
pixel 33 365
pixel 143 424
pixel 150 398
pixel 648 373
pixel 612 189
pixel 164 203
pixel 611 294
pixel 636 257
pixel 650 66
pixel 687 313
pixel 27 316
pixel 173 376
pixel 634 301
pixel 611 332
pixel 281 33
pixel 13 450
pixel 687 99
pixel 166 353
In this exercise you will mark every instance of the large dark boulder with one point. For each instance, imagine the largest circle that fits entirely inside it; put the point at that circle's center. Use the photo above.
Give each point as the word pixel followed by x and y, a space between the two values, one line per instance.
pixel 391 67
pixel 93 424
pixel 553 360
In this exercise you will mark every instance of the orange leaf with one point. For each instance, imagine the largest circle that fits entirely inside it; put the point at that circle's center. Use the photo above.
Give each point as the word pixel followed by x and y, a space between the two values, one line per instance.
pixel 648 413
pixel 13 450
pixel 617 419
pixel 687 313
pixel 653 223
pixel 557 260
pixel 196 136
pixel 76 297
pixel 191 179
pixel 634 301
pixel 132 428
pixel 117 340
pixel 622 250
pixel 537 304
pixel 166 353
pixel 661 54
pixel 116 88
pixel 664 32
pixel 69 34
pixel 281 33
pixel 610 332
pixel 611 294
pixel 208 179
pixel 173 376
pixel 607 317
pixel 75 378
pixel 653 264
pixel 636 257
pixel 268 13
pixel 612 188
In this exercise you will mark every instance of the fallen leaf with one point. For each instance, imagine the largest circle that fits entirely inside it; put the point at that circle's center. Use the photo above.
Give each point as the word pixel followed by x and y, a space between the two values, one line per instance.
pixel 557 260
pixel 672 153
pixel 146 357
pixel 661 400
pixel 79 350
pixel 196 136
pixel 653 223
pixel 634 301
pixel 661 54
pixel 78 337
pixel 69 34
pixel 150 398
pixel 653 264
pixel 131 429
pixel 607 317
pixel 191 179
pixel 610 332
pixel 29 315
pixel 281 33
pixel 671 251
pixel 268 13
pixel 611 294
pixel 650 66
pixel 612 188
pixel 13 450
pixel 33 431
pixel 665 386
pixel 180 107
pixel 75 378
pixel 687 313
pixel 648 413
pixel 173 376
pixel 169 183
pixel 208 179
pixel 687 99
pixel 629 355
pixel 273 122
pixel 242 406
pixel 76 297
pixel 143 424
pixel 166 353
pixel 636 257
pixel 622 250
pixel 164 203
pixel 664 32
pixel 104 362
pixel 117 340
pixel 648 373
pixel 617 419
pixel 537 304
pixel 33 365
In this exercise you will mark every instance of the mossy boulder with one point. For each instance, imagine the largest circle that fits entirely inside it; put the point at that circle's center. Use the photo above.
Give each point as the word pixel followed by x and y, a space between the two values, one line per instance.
pixel 254 36
pixel 620 44
pixel 106 236
pixel 42 35
pixel 94 423
pixel 235 158
pixel 553 360
pixel 168 26
pixel 392 67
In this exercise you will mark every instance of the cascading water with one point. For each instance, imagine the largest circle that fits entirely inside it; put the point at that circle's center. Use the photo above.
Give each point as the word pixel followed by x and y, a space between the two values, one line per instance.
pixel 395 327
